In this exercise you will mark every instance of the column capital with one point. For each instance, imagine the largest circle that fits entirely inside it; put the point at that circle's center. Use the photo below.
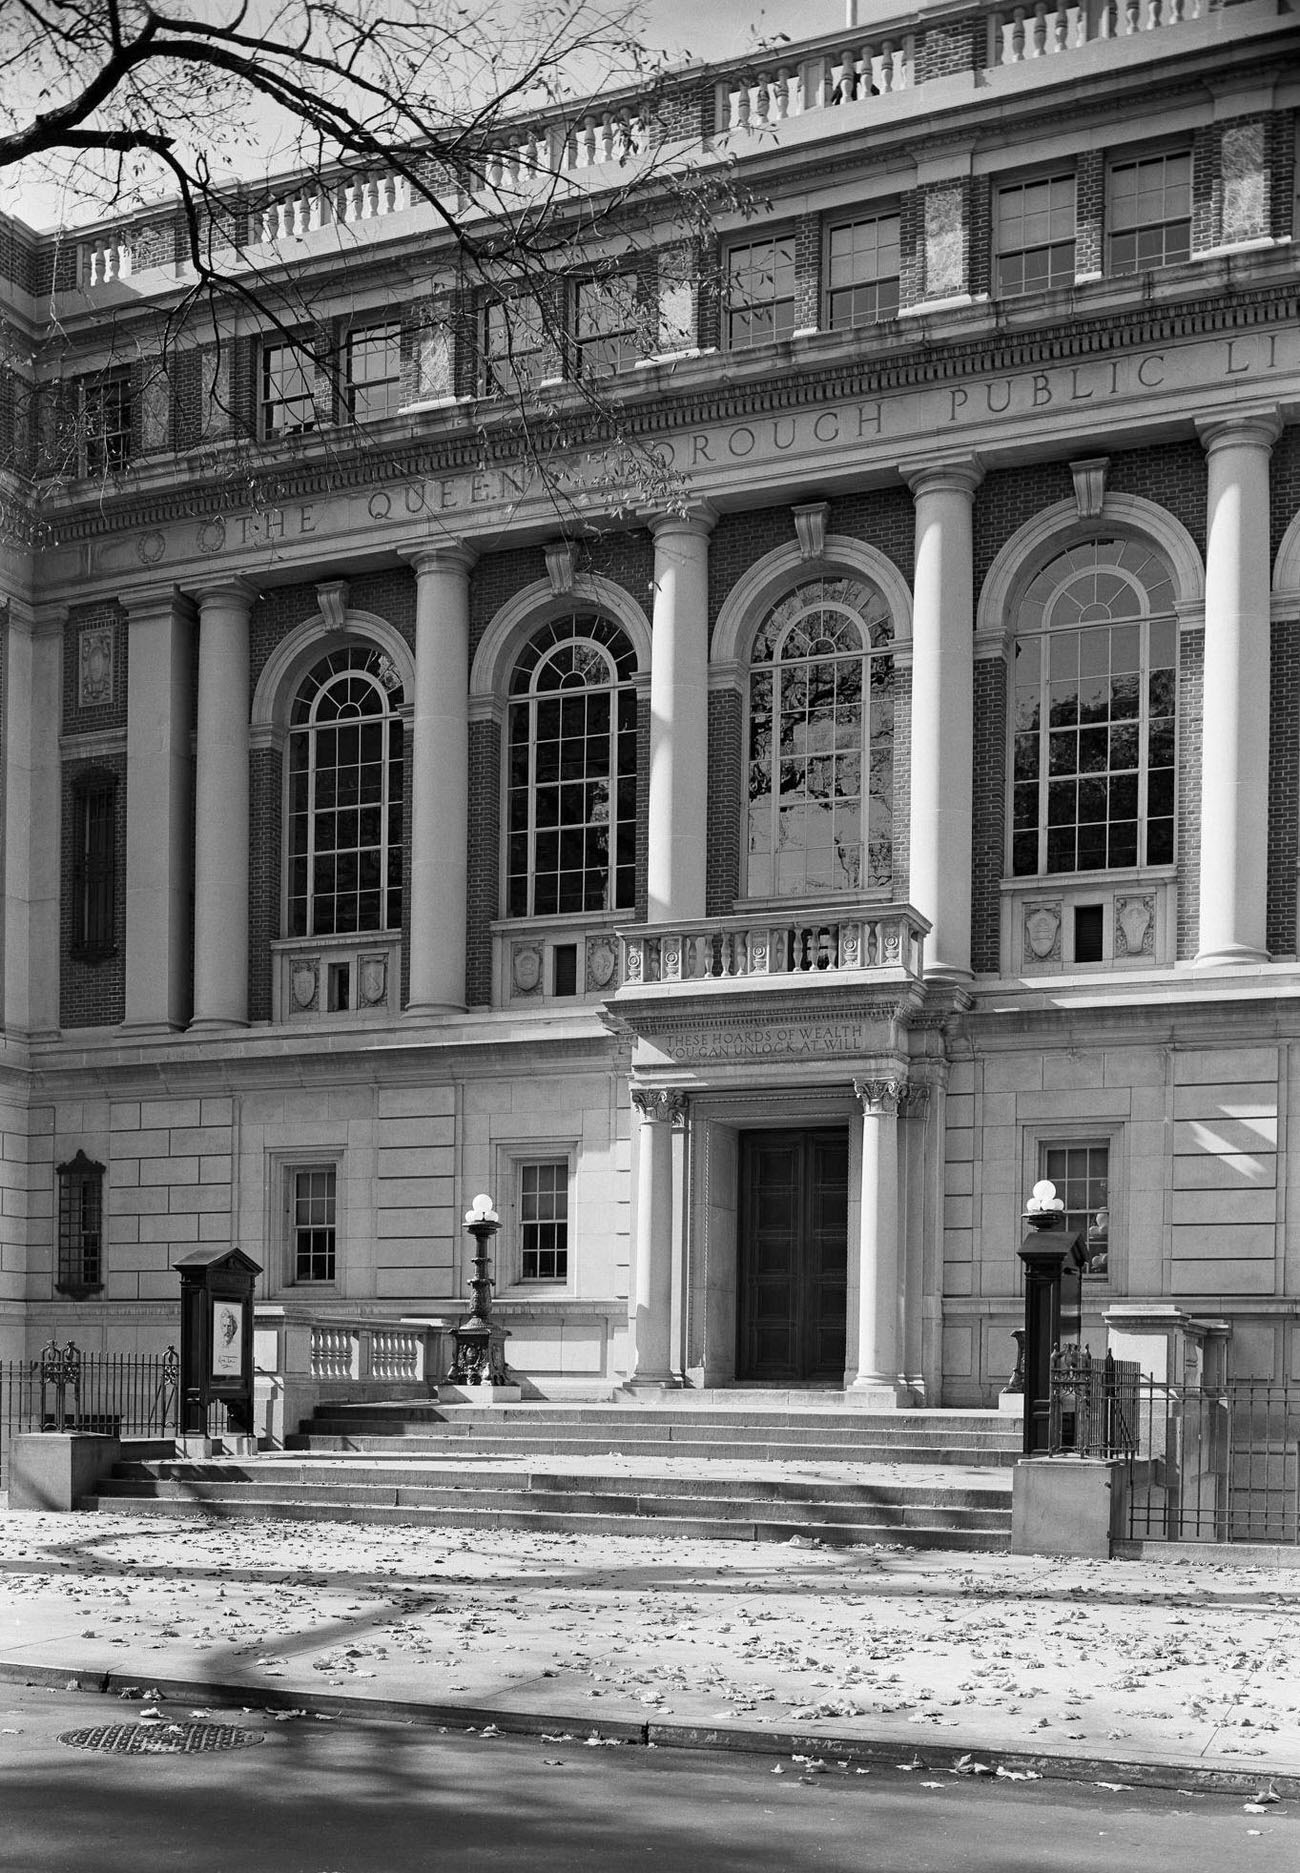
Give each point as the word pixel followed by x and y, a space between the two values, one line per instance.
pixel 445 556
pixel 151 601
pixel 699 519
pixel 883 1097
pixel 1258 427
pixel 660 1105
pixel 957 474
pixel 235 591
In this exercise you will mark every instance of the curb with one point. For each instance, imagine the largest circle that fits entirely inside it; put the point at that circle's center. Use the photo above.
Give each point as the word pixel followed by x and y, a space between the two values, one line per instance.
pixel 650 1734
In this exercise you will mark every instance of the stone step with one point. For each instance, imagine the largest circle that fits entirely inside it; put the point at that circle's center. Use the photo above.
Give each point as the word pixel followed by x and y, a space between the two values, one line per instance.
pixel 491 1441
pixel 672 1418
pixel 567 1521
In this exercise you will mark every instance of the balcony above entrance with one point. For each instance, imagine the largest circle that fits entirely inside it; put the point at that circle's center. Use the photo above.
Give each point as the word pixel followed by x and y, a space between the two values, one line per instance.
pixel 716 954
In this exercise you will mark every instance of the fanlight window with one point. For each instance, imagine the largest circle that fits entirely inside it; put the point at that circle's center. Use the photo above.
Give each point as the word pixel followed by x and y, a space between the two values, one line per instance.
pixel 571 776
pixel 345 796
pixel 821 744
pixel 1096 684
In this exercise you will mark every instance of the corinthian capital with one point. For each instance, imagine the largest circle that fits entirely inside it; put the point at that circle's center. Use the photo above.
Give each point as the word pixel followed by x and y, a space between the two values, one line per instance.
pixel 660 1105
pixel 881 1098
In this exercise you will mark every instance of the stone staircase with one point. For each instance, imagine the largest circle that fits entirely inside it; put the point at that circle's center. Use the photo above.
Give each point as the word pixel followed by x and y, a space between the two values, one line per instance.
pixel 739 1471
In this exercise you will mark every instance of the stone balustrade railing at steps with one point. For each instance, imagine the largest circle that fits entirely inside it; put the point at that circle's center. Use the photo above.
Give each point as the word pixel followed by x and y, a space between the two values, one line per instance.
pixel 303 1359
pixel 815 942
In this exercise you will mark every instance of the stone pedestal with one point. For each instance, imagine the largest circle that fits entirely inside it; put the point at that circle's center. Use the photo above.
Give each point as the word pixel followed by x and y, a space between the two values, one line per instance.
pixel 1067 1505
pixel 52 1470
pixel 1167 1344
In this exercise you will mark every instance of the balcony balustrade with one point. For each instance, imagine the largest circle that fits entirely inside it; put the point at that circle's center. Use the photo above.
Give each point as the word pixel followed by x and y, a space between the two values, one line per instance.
pixel 817 942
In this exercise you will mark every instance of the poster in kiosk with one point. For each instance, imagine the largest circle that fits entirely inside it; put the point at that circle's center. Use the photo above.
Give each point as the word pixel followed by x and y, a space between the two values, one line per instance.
pixel 217 1343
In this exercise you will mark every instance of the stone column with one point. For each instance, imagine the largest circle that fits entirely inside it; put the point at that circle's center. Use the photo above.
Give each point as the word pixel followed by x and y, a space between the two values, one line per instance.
pixel 159 808
pixel 652 1315
pixel 33 710
pixel 440 779
pixel 221 829
pixel 679 717
pixel 876 1383
pixel 1234 731
pixel 943 662
pixel 914 1107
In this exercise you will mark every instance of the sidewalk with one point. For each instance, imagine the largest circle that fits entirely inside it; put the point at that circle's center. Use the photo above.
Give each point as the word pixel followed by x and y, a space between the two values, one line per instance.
pixel 1184 1674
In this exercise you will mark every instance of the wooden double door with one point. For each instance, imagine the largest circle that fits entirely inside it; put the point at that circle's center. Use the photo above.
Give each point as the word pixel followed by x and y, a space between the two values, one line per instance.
pixel 792 1255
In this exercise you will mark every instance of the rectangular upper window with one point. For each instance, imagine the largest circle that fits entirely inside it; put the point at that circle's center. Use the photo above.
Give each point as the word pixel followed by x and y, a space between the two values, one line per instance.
pixel 313 1223
pixel 607 325
pixel 759 286
pixel 544 1220
pixel 862 270
pixel 104 419
pixel 1080 1169
pixel 1033 235
pixel 1149 212
pixel 94 866
pixel 288 402
pixel 373 372
pixel 514 349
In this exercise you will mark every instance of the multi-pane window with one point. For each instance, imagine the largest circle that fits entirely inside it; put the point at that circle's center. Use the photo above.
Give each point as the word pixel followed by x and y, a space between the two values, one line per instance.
pixel 862 271
pixel 1081 1173
pixel 288 402
pixel 1149 212
pixel 760 292
pixel 345 796
pixel 94 866
pixel 1095 698
pixel 1034 235
pixel 313 1226
pixel 374 372
pixel 80 1268
pixel 105 423
pixel 571 771
pixel 544 1220
pixel 516 352
pixel 607 325
pixel 821 743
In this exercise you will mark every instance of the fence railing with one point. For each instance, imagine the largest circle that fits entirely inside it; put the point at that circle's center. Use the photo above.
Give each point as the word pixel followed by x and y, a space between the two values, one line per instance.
pixel 64 1389
pixel 1220 1464
pixel 1093 1405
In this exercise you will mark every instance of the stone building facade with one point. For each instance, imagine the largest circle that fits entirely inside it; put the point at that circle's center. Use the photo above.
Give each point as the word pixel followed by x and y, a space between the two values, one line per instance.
pixel 758 894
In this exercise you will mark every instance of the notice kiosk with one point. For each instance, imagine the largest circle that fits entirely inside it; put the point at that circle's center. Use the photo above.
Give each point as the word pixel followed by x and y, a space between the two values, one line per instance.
pixel 217 1349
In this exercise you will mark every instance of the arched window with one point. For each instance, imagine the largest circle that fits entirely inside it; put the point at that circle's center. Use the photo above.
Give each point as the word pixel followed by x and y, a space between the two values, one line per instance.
pixel 571 779
pixel 1095 696
pixel 345 796
pixel 821 743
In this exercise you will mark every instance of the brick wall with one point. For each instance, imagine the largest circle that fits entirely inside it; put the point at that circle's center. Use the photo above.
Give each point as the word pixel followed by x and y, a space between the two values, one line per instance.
pixel 1170 474
pixel 955 46
pixel 989 809
pixel 1281 170
pixel 642 883
pixel 1283 487
pixel 1206 175
pixel 808 271
pixel 92 994
pixel 1191 676
pixel 1089 211
pixel 265 845
pixel 1005 500
pixel 1283 785
pixel 484 859
pixel 726 787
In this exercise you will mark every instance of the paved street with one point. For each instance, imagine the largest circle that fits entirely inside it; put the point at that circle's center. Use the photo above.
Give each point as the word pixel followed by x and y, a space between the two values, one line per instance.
pixel 1162 1670
pixel 340 1797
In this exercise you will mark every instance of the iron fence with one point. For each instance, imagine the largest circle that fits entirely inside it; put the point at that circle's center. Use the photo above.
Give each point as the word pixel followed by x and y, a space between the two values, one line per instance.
pixel 1093 1404
pixel 64 1389
pixel 1216 1464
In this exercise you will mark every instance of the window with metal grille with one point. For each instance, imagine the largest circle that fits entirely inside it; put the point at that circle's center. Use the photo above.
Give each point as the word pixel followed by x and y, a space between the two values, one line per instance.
pixel 571 771
pixel 1034 235
pixel 288 402
pixel 314 1226
pixel 759 290
pixel 862 271
pixel 80 1268
pixel 607 328
pixel 373 372
pixel 821 743
pixel 345 796
pixel 1095 707
pixel 94 866
pixel 1149 212
pixel 544 1220
pixel 105 423
pixel 1081 1173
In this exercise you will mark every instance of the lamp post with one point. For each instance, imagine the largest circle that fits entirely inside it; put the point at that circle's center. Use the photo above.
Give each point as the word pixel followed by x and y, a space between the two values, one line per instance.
pixel 1045 1249
pixel 480 1356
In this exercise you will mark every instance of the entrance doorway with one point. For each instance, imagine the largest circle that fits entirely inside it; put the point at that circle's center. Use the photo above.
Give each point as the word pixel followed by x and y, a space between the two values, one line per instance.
pixel 792 1260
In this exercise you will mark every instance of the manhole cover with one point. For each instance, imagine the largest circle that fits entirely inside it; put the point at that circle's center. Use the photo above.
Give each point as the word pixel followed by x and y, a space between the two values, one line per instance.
pixel 161 1739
